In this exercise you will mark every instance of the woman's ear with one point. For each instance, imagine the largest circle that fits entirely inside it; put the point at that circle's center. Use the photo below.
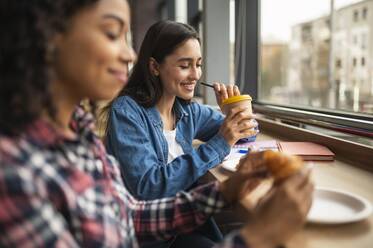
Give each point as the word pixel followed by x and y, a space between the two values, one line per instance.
pixel 153 67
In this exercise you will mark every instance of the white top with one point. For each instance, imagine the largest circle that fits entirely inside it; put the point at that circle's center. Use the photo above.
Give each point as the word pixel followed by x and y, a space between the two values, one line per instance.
pixel 174 149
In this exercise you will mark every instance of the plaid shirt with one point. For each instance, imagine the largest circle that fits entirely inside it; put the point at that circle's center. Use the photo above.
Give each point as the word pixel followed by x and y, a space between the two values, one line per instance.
pixel 64 192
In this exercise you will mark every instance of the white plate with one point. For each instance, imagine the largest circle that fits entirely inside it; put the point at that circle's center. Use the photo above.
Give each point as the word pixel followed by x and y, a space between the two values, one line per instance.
pixel 336 207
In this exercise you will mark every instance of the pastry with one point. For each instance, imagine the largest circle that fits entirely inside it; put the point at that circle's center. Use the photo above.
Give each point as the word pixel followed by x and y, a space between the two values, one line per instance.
pixel 282 165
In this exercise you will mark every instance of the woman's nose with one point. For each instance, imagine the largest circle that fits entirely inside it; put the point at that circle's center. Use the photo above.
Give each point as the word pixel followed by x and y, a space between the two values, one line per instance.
pixel 195 73
pixel 127 54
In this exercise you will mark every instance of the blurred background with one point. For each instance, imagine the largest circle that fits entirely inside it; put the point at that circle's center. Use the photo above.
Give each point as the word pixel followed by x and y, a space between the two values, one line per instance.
pixel 313 53
pixel 306 63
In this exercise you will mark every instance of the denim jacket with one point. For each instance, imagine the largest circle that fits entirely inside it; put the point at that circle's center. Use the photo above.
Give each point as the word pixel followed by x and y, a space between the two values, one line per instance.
pixel 135 137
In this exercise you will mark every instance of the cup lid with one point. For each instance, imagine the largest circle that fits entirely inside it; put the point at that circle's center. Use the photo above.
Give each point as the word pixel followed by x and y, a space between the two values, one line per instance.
pixel 234 99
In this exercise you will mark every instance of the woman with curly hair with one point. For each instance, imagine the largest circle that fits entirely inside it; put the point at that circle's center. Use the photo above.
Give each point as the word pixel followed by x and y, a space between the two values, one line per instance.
pixel 58 187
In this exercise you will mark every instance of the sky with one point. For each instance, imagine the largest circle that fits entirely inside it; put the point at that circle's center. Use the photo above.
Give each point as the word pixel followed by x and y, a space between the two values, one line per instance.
pixel 278 16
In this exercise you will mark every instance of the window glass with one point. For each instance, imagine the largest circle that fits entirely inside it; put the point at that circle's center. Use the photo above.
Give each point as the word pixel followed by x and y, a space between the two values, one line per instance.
pixel 312 56
pixel 232 33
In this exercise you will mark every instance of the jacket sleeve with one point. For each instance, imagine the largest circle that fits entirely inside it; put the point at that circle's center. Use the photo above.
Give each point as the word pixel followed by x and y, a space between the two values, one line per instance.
pixel 206 120
pixel 144 174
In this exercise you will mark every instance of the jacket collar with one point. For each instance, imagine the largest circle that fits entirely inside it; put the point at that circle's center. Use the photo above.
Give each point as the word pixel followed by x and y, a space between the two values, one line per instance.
pixel 154 115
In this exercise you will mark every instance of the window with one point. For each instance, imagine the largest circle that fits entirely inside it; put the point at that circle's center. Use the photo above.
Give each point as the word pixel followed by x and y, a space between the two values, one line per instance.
pixel 365 13
pixel 363 41
pixel 301 55
pixel 338 64
pixel 356 16
pixel 303 71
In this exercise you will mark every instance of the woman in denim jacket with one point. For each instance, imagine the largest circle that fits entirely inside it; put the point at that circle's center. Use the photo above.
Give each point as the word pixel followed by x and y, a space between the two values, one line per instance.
pixel 154 113
pixel 153 122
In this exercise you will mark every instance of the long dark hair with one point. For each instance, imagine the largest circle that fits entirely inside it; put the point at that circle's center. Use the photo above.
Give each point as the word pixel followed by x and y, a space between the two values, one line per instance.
pixel 161 40
pixel 26 26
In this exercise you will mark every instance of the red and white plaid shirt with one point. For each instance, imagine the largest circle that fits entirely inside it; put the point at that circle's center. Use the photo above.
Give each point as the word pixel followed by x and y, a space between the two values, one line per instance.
pixel 62 192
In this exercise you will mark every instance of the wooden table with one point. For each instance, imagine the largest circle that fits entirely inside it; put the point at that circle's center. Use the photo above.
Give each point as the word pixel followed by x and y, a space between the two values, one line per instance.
pixel 336 175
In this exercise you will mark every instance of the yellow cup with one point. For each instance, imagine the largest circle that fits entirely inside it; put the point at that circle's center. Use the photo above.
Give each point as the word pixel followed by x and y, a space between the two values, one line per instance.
pixel 234 101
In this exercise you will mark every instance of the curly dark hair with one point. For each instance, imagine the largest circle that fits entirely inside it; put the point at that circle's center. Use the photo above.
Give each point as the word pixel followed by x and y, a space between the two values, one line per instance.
pixel 26 26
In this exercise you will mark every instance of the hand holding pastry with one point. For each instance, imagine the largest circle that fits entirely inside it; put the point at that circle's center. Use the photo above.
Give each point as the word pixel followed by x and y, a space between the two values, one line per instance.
pixel 250 171
pixel 281 213
pixel 282 165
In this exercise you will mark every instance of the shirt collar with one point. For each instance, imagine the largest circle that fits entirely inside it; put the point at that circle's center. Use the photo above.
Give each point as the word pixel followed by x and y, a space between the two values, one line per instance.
pixel 179 109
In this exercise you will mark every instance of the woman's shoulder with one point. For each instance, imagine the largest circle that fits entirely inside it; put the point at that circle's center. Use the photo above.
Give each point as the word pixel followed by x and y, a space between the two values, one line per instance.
pixel 20 153
pixel 9 149
pixel 125 102
pixel 19 163
pixel 126 105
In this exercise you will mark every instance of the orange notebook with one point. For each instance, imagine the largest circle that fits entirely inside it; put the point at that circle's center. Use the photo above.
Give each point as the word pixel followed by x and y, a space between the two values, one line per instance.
pixel 307 150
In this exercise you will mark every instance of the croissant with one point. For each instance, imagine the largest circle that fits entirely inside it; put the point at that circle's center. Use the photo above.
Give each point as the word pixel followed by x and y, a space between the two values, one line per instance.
pixel 282 165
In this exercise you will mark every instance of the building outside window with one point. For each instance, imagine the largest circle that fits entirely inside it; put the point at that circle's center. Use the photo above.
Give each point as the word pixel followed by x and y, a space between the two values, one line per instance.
pixel 302 54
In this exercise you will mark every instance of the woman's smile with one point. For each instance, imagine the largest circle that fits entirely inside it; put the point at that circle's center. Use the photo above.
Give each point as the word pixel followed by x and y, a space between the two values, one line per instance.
pixel 189 86
pixel 120 75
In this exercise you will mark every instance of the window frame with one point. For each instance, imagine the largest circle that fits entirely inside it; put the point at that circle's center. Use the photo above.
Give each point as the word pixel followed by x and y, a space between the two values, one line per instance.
pixel 349 119
pixel 332 119
pixel 355 122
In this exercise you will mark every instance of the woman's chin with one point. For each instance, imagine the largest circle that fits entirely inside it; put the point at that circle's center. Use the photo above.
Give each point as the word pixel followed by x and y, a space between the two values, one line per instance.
pixel 186 98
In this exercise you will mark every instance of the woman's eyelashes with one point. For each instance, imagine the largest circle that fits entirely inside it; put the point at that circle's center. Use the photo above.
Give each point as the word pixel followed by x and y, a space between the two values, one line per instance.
pixel 111 36
pixel 190 66
pixel 114 28
pixel 112 32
